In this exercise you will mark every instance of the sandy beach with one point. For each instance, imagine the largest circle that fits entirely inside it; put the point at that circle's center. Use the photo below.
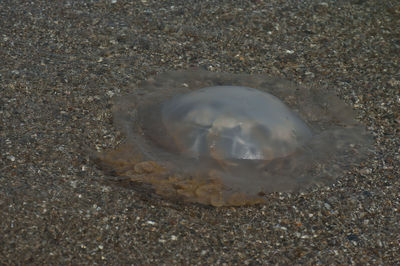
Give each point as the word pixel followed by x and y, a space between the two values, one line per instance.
pixel 63 62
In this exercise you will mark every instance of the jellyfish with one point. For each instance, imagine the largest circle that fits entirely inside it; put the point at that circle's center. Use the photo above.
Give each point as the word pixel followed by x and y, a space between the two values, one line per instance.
pixel 227 139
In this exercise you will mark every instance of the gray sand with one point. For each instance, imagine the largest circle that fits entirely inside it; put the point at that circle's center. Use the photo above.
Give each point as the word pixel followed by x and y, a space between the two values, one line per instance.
pixel 63 61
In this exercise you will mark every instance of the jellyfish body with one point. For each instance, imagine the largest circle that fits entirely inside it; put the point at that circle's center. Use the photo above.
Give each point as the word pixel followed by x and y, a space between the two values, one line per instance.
pixel 226 139
pixel 232 122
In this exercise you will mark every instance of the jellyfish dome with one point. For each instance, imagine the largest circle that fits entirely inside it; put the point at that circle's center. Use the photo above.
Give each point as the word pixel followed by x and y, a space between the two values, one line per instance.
pixel 228 139
pixel 231 122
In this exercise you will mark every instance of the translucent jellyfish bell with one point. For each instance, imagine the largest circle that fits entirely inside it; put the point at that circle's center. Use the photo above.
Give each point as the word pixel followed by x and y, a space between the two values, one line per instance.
pixel 226 139
pixel 232 122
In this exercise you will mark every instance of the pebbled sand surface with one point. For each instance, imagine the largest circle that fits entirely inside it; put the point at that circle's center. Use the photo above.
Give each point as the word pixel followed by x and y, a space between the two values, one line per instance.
pixel 63 61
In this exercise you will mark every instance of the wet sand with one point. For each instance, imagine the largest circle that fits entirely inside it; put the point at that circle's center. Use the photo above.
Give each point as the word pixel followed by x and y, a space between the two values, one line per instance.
pixel 61 65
